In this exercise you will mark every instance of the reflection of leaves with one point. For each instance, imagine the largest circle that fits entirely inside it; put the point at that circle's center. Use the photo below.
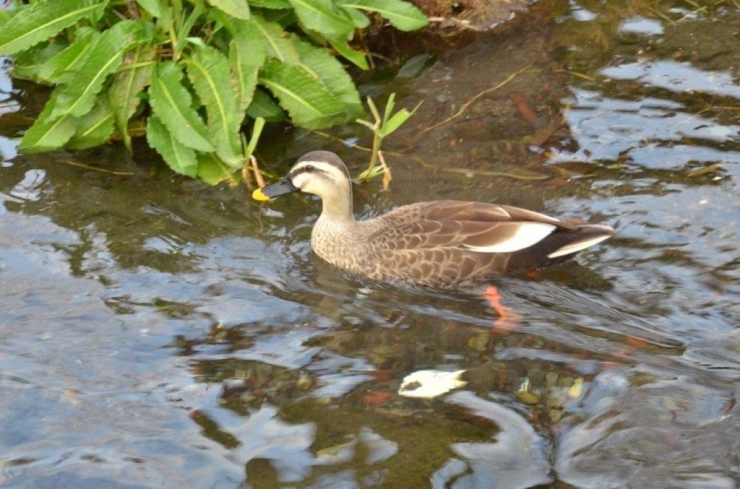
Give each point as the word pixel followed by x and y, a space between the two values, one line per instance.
pixel 704 171
pixel 337 453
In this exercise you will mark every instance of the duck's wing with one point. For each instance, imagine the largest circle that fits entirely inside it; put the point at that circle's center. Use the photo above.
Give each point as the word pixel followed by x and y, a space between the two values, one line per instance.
pixel 474 226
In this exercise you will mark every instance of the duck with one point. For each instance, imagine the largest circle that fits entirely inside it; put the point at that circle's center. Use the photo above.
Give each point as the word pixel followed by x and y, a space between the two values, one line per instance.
pixel 435 243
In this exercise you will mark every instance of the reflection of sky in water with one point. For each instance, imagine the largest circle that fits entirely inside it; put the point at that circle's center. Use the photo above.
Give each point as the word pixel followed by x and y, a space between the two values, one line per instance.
pixel 675 76
pixel 7 147
pixel 641 25
pixel 607 127
pixel 5 82
pixel 580 14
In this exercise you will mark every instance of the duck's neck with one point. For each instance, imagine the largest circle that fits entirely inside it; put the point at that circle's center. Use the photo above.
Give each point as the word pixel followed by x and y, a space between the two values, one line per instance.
pixel 337 207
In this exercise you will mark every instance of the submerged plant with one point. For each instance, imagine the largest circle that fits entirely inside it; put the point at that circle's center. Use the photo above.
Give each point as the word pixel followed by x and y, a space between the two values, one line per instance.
pixel 194 71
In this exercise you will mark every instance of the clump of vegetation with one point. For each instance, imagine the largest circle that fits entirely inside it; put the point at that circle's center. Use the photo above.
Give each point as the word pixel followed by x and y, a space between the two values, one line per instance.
pixel 190 74
pixel 381 128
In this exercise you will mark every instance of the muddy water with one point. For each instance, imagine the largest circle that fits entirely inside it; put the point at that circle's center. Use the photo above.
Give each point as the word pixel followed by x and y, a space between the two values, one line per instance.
pixel 155 332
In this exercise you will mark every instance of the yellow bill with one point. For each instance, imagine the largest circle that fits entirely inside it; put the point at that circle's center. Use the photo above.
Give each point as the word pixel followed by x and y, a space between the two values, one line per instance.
pixel 259 195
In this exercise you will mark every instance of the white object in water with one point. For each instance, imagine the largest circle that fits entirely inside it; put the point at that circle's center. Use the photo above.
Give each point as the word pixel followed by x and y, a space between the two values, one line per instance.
pixel 430 383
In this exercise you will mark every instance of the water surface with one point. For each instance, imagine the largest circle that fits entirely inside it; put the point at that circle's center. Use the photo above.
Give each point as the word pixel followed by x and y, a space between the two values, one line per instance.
pixel 155 332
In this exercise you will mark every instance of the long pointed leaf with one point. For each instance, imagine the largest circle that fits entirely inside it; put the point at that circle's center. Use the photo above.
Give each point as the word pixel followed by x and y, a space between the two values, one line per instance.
pixel 207 71
pixel 212 170
pixel 309 103
pixel 48 133
pixel 276 40
pixel 77 96
pixel 246 32
pixel 359 19
pixel 179 157
pixel 271 4
pixel 95 127
pixel 156 8
pixel 171 102
pixel 55 70
pixel 134 75
pixel 41 20
pixel 235 8
pixel 402 15
pixel 357 58
pixel 330 72
pixel 265 107
pixel 259 124
pixel 324 17
pixel 244 73
pixel 28 63
pixel 395 122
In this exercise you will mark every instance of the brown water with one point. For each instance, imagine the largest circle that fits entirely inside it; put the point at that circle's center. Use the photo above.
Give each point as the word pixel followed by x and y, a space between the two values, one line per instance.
pixel 158 333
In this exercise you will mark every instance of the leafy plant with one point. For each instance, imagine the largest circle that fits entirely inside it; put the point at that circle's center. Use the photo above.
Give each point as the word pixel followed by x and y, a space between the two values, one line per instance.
pixel 381 128
pixel 195 70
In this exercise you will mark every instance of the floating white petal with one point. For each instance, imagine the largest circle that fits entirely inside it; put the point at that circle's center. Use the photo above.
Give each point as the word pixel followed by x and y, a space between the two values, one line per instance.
pixel 430 383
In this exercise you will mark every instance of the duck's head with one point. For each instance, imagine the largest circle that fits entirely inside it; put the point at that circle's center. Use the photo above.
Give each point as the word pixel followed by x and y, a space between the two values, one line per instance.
pixel 320 173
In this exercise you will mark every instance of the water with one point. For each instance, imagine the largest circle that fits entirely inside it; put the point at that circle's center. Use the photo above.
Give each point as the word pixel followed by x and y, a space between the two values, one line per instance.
pixel 156 332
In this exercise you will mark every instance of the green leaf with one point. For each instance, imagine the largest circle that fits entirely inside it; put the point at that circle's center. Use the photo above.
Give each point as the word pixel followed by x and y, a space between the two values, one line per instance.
pixel 392 122
pixel 244 68
pixel 95 127
pixel 134 75
pixel 248 33
pixel 308 101
pixel 390 104
pixel 48 133
pixel 41 20
pixel 247 53
pixel 285 18
pixel 212 170
pixel 271 4
pixel 263 106
pixel 395 122
pixel 55 69
pixel 207 70
pixel 177 156
pixel 324 17
pixel 235 8
pixel 402 15
pixel 259 124
pixel 156 8
pixel 77 96
pixel 357 58
pixel 275 40
pixel 330 72
pixel 359 19
pixel 172 104
pixel 28 63
pixel 184 29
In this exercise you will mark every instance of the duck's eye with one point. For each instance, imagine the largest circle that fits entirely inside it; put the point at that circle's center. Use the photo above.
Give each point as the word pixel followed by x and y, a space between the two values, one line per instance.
pixel 308 168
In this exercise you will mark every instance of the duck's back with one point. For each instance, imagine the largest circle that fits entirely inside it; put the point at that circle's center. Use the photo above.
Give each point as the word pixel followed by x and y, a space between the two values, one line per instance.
pixel 434 243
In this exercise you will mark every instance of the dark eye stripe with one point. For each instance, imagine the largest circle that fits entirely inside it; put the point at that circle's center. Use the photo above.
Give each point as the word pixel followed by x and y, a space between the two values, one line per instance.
pixel 304 169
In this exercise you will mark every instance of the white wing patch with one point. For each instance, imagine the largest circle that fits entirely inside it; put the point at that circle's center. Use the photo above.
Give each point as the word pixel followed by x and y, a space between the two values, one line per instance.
pixel 527 234
pixel 577 246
